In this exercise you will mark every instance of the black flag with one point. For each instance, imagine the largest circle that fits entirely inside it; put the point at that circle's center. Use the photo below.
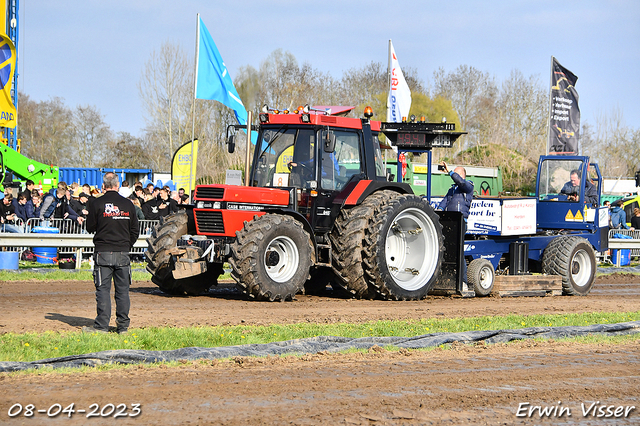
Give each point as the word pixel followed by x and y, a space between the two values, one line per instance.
pixel 564 114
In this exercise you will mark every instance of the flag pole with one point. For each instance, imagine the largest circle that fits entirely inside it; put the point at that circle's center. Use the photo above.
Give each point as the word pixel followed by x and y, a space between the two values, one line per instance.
pixel 193 114
pixel 389 82
pixel 550 107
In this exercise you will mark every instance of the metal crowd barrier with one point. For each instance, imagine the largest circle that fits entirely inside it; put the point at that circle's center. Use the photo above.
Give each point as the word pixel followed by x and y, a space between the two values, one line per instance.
pixel 632 244
pixel 72 237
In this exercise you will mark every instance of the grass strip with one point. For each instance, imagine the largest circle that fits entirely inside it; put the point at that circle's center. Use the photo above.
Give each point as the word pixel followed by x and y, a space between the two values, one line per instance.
pixel 32 346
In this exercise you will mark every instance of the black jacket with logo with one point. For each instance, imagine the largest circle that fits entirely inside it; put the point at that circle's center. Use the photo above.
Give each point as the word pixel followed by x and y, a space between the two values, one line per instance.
pixel 113 218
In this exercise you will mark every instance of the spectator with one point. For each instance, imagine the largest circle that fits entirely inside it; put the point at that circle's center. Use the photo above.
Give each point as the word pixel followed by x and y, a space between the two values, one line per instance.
pixel 29 187
pixel 150 208
pixel 80 205
pixel 86 188
pixel 94 193
pixel 139 193
pixel 124 190
pixel 56 207
pixel 19 204
pixel 8 215
pixel 167 205
pixel 33 205
pixel 138 207
pixel 635 220
pixel 113 220
pixel 618 216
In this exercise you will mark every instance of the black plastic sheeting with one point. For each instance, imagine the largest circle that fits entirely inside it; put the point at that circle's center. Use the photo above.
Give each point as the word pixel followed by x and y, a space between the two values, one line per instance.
pixel 319 344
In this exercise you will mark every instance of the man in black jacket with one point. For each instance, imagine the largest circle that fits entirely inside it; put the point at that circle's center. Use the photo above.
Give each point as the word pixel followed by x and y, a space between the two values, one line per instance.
pixel 114 221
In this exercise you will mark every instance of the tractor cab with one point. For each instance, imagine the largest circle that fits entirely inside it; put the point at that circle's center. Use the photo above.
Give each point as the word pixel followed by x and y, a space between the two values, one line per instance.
pixel 317 153
pixel 312 148
pixel 568 192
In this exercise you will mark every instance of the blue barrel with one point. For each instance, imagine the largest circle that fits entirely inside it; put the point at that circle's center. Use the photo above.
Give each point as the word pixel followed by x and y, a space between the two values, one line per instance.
pixel 9 260
pixel 46 255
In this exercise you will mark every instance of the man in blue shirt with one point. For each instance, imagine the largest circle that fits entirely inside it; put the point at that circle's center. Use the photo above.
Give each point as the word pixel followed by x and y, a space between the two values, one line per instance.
pixel 618 216
pixel 460 195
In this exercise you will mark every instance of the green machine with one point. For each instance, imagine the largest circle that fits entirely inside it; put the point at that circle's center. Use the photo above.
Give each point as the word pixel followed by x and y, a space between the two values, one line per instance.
pixel 487 181
pixel 17 169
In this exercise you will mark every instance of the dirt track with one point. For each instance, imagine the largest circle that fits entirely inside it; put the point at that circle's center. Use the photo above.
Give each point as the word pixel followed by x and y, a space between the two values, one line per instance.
pixel 479 384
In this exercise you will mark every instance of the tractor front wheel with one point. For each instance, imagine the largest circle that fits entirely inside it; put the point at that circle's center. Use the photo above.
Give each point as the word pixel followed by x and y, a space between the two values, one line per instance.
pixel 271 258
pixel 164 237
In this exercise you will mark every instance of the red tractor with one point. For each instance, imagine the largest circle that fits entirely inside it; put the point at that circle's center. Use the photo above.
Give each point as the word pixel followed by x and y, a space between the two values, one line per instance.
pixel 320 208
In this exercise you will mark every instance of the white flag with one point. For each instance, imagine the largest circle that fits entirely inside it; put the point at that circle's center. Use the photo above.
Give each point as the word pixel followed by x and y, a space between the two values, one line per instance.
pixel 399 101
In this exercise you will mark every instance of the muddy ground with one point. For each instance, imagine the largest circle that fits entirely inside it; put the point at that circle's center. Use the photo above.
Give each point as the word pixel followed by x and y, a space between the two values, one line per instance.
pixel 467 385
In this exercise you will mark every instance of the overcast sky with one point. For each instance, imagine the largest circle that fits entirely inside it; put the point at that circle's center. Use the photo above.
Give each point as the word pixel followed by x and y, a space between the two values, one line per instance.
pixel 92 52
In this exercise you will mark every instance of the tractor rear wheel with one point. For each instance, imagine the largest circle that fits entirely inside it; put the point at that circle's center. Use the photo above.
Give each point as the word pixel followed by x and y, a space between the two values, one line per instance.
pixel 163 239
pixel 347 241
pixel 404 248
pixel 271 258
pixel 481 275
pixel 574 260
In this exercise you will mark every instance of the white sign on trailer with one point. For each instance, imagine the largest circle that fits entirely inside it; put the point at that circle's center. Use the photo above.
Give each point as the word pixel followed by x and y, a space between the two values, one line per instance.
pixel 519 216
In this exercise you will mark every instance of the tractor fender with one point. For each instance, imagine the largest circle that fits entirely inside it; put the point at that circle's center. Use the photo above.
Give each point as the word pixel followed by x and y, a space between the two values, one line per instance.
pixel 356 192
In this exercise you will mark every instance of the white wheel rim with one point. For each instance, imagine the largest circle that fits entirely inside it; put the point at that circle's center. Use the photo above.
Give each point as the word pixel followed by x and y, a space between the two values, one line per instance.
pixel 281 259
pixel 486 277
pixel 412 249
pixel 580 268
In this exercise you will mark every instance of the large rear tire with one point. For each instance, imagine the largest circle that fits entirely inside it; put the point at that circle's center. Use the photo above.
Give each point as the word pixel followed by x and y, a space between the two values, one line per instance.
pixel 164 237
pixel 574 260
pixel 404 249
pixel 271 258
pixel 347 238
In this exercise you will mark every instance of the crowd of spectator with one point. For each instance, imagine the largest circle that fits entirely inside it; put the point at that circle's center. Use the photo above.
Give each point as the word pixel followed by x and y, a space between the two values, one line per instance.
pixel 72 202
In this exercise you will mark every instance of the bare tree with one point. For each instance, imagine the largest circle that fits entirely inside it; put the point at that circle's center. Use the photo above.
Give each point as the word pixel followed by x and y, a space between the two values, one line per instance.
pixel 126 151
pixel 166 90
pixel 46 130
pixel 91 135
pixel 473 94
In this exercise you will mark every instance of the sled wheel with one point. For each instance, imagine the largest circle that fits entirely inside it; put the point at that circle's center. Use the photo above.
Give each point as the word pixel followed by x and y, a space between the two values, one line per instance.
pixel 481 275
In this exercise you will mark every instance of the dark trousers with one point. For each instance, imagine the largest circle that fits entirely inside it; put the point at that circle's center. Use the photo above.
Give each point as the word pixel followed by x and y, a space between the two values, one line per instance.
pixel 110 265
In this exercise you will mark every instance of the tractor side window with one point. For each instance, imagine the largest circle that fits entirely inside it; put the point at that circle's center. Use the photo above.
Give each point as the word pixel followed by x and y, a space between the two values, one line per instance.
pixel 380 170
pixel 303 167
pixel 276 152
pixel 344 162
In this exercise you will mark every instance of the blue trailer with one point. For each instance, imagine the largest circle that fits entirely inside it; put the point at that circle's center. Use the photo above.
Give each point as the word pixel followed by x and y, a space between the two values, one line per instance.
pixel 557 232
pixel 93 175
pixel 554 233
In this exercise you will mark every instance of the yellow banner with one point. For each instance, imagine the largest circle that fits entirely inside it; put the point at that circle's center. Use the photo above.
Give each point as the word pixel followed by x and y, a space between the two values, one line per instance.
pixel 8 115
pixel 183 169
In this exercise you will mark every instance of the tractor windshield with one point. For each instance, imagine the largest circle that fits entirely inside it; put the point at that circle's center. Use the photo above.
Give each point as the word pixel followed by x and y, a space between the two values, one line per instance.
pixel 285 157
pixel 560 180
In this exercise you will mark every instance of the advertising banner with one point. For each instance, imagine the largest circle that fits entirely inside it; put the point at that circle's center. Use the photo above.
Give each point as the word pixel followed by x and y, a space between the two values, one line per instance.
pixel 8 115
pixel 183 166
pixel 564 113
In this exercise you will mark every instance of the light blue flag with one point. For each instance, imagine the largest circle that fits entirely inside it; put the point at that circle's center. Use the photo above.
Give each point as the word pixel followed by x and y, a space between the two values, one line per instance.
pixel 213 80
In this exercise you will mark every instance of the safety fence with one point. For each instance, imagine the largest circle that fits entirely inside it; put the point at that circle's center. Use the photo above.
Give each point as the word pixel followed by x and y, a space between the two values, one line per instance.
pixel 69 236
